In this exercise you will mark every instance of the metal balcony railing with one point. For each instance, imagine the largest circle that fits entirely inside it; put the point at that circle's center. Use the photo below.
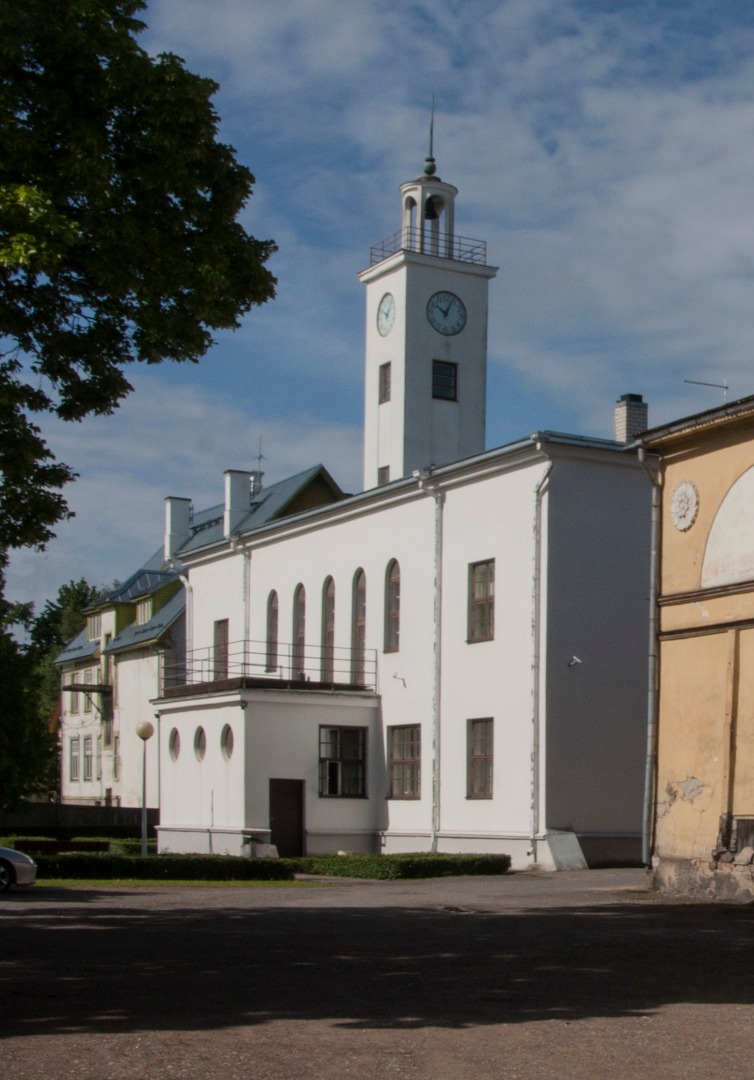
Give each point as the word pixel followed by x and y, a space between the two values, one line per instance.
pixel 442 245
pixel 273 662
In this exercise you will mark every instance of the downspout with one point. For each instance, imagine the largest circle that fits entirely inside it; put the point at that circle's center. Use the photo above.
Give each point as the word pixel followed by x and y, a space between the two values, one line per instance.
pixel 650 771
pixel 536 611
pixel 439 497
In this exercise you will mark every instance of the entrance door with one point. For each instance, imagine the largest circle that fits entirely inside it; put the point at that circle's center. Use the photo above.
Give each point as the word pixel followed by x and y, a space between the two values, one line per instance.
pixel 287 816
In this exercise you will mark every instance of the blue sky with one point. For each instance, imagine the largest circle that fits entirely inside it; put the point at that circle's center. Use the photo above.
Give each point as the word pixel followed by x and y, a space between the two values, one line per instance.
pixel 604 149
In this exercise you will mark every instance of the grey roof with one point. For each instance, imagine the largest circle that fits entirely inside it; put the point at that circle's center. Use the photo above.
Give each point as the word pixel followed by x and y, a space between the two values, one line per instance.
pixel 137 635
pixel 147 579
pixel 208 527
pixel 78 649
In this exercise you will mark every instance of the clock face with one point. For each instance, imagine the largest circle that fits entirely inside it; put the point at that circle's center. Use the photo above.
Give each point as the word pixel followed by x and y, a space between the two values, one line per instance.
pixel 386 314
pixel 446 313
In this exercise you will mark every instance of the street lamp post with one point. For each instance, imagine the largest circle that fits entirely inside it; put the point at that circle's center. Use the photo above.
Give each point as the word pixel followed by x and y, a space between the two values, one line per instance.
pixel 145 731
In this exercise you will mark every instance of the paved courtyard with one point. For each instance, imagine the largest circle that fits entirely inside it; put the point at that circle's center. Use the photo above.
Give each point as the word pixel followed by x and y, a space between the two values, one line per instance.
pixel 584 975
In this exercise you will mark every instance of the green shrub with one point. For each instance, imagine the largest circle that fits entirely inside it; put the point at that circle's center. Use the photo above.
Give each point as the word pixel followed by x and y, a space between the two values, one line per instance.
pixel 168 867
pixel 393 867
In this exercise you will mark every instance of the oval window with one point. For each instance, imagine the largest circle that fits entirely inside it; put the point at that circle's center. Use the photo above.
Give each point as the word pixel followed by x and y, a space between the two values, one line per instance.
pixel 174 744
pixel 200 743
pixel 226 742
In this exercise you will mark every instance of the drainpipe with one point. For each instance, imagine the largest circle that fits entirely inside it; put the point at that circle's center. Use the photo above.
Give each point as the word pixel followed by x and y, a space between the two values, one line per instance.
pixel 439 497
pixel 536 610
pixel 650 771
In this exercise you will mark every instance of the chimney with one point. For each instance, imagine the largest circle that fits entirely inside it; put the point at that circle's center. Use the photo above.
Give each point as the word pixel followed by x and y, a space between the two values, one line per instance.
pixel 237 499
pixel 177 524
pixel 631 417
pixel 255 485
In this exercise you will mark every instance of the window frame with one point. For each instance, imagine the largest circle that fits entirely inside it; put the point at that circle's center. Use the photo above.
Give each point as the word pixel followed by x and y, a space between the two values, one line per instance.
pixel 444 374
pixel 298 654
pixel 481 609
pixel 480 758
pixel 331 765
pixel 402 764
pixel 88 759
pixel 220 648
pixel 385 383
pixel 74 758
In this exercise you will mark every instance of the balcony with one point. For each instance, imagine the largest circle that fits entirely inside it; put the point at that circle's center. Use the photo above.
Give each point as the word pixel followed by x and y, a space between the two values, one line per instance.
pixel 268 665
pixel 441 245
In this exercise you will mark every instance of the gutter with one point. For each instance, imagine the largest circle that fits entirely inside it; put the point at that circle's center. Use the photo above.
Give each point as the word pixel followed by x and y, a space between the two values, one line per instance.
pixel 650 769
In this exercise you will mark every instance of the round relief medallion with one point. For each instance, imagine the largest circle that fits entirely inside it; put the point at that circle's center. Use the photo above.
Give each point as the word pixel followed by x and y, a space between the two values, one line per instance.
pixel 684 505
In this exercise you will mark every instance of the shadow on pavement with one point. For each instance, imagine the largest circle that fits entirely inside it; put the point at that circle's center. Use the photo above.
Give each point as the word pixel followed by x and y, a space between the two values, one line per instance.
pixel 73 967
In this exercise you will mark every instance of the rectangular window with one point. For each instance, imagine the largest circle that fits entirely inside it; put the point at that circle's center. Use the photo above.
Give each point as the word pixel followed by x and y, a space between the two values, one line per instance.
pixel 87 694
pixel 73 696
pixel 444 380
pixel 88 757
pixel 99 757
pixel 404 748
pixel 94 627
pixel 480 736
pixel 73 758
pixel 385 381
pixel 144 611
pixel 221 649
pixel 482 601
pixel 342 762
pixel 116 757
pixel 383 475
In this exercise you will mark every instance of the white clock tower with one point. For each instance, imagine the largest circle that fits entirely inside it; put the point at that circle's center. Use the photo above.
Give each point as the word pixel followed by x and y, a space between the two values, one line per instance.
pixel 426 339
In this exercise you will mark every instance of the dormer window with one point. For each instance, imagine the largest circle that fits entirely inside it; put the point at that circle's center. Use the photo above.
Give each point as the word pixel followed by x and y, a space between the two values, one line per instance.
pixel 94 627
pixel 144 611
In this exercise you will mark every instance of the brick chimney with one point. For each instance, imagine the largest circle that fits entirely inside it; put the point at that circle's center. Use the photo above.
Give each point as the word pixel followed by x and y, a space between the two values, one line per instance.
pixel 631 417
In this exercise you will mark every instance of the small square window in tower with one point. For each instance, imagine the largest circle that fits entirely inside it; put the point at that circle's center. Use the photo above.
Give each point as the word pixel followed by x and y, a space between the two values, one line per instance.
pixel 444 380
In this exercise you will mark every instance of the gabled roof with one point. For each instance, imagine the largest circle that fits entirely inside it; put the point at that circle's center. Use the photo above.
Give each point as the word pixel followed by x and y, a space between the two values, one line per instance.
pixel 729 413
pixel 270 504
pixel 137 635
pixel 146 580
pixel 78 649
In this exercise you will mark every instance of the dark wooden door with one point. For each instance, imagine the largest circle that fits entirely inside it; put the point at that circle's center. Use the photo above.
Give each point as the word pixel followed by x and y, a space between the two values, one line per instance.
pixel 287 816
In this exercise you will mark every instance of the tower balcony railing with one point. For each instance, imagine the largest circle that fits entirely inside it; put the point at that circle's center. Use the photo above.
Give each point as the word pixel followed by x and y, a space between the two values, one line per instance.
pixel 270 664
pixel 441 245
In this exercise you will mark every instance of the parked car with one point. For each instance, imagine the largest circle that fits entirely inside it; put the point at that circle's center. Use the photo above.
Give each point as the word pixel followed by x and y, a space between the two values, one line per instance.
pixel 16 869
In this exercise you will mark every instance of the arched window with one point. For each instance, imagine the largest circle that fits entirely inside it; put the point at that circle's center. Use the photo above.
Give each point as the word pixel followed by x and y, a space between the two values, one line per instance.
pixel 271 660
pixel 358 626
pixel 328 630
pixel 392 606
pixel 299 633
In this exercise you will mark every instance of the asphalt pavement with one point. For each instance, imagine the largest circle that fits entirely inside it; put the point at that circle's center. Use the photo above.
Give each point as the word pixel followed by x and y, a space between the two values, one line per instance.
pixel 582 974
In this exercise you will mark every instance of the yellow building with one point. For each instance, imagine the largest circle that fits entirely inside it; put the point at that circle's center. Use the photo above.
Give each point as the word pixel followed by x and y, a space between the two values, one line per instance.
pixel 701 750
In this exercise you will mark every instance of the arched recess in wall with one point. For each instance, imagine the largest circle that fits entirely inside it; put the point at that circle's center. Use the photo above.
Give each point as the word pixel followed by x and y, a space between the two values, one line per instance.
pixel 358 626
pixel 271 659
pixel 328 630
pixel 729 552
pixel 299 633
pixel 392 606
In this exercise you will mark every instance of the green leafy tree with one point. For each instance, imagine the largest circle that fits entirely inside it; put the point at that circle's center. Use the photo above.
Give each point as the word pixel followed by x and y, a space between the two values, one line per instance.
pixel 28 746
pixel 119 238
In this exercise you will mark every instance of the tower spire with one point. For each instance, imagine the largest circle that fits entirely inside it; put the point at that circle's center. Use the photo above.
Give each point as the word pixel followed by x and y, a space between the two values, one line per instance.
pixel 430 168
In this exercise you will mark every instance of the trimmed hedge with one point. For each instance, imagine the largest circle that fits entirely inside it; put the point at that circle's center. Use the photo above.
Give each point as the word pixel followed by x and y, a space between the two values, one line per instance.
pixel 168 867
pixel 86 866
pixel 394 867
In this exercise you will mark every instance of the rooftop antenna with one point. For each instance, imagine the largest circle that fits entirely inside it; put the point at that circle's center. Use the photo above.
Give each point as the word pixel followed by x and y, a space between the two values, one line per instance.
pixel 430 168
pixel 260 455
pixel 717 386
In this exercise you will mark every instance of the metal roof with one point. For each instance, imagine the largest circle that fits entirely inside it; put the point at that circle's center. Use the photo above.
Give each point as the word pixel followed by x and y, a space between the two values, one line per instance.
pixel 78 649
pixel 208 527
pixel 137 635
